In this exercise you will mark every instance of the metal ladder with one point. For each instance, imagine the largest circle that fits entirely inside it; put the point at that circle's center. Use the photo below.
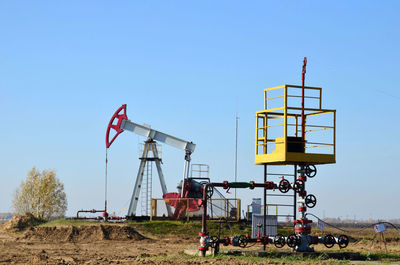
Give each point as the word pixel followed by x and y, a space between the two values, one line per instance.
pixel 293 195
pixel 146 191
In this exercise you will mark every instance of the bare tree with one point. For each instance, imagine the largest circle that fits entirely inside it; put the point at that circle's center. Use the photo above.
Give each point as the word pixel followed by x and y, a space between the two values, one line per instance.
pixel 41 194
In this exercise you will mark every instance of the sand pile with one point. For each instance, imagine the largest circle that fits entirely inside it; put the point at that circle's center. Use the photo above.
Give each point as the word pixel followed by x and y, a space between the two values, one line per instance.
pixel 21 222
pixel 86 233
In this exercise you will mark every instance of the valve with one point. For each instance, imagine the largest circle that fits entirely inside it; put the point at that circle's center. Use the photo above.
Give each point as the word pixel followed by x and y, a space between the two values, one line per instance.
pixel 214 240
pixel 292 240
pixel 298 185
pixel 284 186
pixel 239 241
pixel 209 191
pixel 209 241
pixel 343 241
pixel 264 240
pixel 279 241
pixel 225 241
pixel 329 241
pixel 234 241
pixel 310 201
pixel 242 241
pixel 310 171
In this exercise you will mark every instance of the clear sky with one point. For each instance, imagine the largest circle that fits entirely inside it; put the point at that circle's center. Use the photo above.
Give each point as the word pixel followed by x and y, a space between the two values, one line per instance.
pixel 185 68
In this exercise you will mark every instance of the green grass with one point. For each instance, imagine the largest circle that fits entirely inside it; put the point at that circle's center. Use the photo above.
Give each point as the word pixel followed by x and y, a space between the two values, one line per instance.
pixel 252 259
pixel 166 227
pixel 193 229
pixel 67 222
pixel 380 256
pixel 173 227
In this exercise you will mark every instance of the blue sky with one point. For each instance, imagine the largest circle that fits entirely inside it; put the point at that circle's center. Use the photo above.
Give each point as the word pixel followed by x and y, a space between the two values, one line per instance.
pixel 186 67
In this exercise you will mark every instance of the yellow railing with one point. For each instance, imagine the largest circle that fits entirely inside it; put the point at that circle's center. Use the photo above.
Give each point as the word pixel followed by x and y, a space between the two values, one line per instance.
pixel 279 125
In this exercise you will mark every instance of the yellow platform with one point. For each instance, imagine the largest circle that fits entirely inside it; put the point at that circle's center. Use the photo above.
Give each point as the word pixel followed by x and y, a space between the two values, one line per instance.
pixel 278 130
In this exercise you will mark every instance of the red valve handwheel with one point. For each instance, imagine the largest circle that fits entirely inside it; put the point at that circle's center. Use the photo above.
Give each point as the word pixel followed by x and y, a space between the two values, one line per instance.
pixel 116 127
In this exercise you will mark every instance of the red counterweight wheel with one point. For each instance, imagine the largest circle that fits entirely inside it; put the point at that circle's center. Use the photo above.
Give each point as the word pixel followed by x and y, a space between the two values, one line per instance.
pixel 117 127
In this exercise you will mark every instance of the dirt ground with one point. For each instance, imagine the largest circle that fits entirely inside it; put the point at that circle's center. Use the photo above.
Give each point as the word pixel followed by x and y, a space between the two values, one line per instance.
pixel 108 244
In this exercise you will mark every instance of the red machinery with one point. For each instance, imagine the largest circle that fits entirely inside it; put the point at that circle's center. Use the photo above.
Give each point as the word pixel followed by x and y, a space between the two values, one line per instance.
pixel 192 190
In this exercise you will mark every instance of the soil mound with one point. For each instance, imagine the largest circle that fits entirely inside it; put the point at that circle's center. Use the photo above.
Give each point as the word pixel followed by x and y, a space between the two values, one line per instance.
pixel 85 233
pixel 21 222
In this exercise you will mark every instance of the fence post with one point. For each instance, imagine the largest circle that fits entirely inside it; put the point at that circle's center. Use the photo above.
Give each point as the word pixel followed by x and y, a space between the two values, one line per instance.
pixel 153 210
pixel 225 209
pixel 238 208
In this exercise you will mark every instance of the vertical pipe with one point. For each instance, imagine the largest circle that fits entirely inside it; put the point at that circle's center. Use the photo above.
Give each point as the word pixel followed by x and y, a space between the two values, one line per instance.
pixel 265 204
pixel 236 147
pixel 105 184
pixel 302 213
pixel 203 218
pixel 303 74
pixel 265 133
pixel 285 115
pixel 294 195
pixel 183 178
pixel 334 134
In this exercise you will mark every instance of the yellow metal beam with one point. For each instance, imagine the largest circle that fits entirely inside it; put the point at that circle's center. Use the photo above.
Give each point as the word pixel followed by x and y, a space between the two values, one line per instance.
pixel 275 87
pixel 312 109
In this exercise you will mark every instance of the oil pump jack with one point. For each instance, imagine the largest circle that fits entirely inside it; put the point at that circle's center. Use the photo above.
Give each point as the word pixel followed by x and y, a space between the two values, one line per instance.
pixel 119 122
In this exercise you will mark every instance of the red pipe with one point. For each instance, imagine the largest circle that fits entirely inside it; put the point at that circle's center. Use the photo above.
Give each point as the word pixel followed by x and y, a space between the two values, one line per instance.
pixel 88 211
pixel 303 75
